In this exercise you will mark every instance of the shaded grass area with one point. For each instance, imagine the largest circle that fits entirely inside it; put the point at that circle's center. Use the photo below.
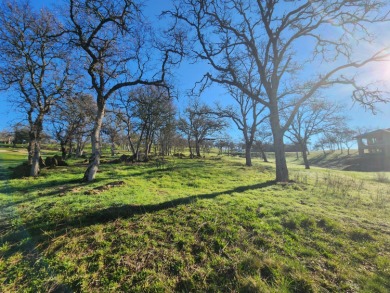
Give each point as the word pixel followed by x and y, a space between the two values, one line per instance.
pixel 210 225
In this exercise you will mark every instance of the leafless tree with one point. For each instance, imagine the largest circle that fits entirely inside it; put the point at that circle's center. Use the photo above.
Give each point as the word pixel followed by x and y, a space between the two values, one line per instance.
pixel 70 120
pixel 124 108
pixel 346 137
pixel 6 136
pixel 315 116
pixel 145 112
pixel 179 144
pixel 266 49
pixel 33 64
pixel 166 133
pixel 113 129
pixel 327 141
pixel 117 49
pixel 198 122
pixel 153 110
pixel 247 115
pixel 263 138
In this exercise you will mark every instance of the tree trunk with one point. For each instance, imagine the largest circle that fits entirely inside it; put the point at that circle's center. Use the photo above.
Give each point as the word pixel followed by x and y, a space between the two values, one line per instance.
pixel 136 155
pixel 70 149
pixel 63 150
pixel 94 161
pixel 31 143
pixel 280 158
pixel 113 149
pixel 80 144
pixel 248 157
pixel 263 155
pixel 147 150
pixel 34 171
pixel 304 156
pixel 35 145
pixel 189 146
pixel 280 154
pixel 30 151
pixel 130 143
pixel 197 148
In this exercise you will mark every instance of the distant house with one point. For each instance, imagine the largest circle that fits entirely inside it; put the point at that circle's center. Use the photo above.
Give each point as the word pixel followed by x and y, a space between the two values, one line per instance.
pixel 374 142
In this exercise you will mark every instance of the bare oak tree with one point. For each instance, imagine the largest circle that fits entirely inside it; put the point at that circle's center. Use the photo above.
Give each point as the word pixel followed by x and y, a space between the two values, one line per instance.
pixel 70 120
pixel 113 129
pixel 247 114
pixel 117 49
pixel 276 51
pixel 145 112
pixel 198 122
pixel 346 137
pixel 315 116
pixel 33 64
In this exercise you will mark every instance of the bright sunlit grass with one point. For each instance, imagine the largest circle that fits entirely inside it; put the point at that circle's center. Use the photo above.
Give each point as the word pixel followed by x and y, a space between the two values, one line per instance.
pixel 207 225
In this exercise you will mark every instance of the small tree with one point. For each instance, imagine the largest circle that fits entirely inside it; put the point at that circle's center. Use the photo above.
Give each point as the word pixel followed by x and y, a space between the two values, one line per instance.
pixel 247 117
pixel 153 110
pixel 70 120
pixel 112 128
pixel 199 122
pixel 6 136
pixel 314 117
pixel 346 137
pixel 145 112
pixel 263 138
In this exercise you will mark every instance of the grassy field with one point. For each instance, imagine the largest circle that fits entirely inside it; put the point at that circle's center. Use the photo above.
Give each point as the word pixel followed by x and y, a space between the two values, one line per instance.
pixel 208 225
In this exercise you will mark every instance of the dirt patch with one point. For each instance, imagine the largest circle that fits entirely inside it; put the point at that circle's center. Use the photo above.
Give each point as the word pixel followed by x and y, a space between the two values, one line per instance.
pixel 108 186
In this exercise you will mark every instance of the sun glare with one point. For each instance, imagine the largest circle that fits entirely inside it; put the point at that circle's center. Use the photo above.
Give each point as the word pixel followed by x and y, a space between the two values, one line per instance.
pixel 381 72
pixel 377 72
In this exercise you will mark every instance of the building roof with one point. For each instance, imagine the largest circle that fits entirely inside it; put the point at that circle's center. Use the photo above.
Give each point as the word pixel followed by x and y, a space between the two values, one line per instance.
pixel 373 133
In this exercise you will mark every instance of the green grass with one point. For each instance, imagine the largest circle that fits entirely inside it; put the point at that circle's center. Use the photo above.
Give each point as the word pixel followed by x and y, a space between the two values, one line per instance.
pixel 210 225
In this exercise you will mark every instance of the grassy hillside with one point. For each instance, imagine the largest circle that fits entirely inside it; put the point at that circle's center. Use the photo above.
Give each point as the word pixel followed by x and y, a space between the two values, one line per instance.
pixel 210 225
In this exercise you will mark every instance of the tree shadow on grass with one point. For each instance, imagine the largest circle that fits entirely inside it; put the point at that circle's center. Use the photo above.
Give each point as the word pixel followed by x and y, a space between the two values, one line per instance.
pixel 128 211
pixel 36 230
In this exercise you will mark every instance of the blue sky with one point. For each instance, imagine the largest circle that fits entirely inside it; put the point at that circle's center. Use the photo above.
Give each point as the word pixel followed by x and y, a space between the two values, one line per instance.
pixel 188 74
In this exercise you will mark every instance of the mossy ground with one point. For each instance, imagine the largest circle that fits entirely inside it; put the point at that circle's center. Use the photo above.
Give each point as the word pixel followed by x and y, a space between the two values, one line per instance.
pixel 207 225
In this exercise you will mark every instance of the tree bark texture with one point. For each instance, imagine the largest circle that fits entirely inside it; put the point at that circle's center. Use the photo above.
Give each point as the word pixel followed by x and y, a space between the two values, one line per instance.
pixel 35 145
pixel 264 156
pixel 94 161
pixel 248 157
pixel 63 150
pixel 34 171
pixel 197 148
pixel 280 154
pixel 304 156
